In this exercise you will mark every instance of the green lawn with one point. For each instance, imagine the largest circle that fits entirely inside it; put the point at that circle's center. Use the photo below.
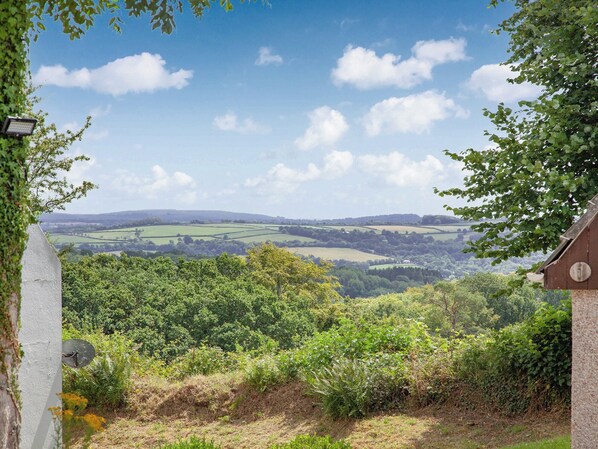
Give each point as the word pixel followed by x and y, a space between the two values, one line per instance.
pixel 563 442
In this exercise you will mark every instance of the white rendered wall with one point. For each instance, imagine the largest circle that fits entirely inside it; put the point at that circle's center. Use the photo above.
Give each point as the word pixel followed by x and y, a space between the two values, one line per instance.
pixel 40 375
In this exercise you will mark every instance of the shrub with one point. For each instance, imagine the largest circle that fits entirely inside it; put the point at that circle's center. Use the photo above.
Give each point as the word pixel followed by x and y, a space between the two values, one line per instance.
pixel 388 381
pixel 203 360
pixel 312 442
pixel 525 365
pixel 191 443
pixel 431 378
pixel 344 388
pixel 358 342
pixel 263 373
pixel 105 381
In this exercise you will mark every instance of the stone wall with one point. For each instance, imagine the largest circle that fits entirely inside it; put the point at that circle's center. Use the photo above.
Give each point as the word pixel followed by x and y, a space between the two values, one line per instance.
pixel 40 376
pixel 584 378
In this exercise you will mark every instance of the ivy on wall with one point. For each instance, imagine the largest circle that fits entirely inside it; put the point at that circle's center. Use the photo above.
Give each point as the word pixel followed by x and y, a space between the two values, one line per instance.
pixel 14 21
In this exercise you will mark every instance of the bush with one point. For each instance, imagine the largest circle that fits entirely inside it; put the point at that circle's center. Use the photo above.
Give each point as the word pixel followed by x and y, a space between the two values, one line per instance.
pixel 191 443
pixel 344 388
pixel 388 381
pixel 312 442
pixel 204 360
pixel 263 373
pixel 358 342
pixel 106 380
pixel 522 366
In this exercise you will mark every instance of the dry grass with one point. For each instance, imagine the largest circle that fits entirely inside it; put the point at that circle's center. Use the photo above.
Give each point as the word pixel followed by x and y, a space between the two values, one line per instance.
pixel 222 409
pixel 349 254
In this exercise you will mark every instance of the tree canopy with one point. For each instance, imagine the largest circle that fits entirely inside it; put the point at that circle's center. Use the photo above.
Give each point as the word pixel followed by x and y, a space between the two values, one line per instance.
pixel 287 275
pixel 542 167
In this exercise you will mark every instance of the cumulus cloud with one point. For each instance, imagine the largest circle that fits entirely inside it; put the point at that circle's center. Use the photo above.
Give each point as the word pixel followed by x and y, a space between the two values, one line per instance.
pixel 362 68
pixel 267 57
pixel 411 114
pixel 491 80
pixel 398 170
pixel 159 183
pixel 145 72
pixel 326 127
pixel 282 180
pixel 230 122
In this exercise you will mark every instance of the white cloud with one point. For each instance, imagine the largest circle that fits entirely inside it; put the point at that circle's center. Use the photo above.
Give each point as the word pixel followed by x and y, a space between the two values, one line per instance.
pixel 411 114
pixel 282 180
pixel 158 184
pixel 230 122
pixel 398 170
pixel 337 163
pixel 79 171
pixel 145 72
pixel 266 57
pixel 326 127
pixel 491 80
pixel 363 69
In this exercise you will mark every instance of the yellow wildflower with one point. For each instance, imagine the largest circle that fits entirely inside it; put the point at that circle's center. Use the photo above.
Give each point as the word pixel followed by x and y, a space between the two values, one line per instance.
pixel 95 422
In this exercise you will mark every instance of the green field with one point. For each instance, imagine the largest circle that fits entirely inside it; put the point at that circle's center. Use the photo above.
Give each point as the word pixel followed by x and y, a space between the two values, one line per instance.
pixel 349 254
pixel 164 234
pixel 248 233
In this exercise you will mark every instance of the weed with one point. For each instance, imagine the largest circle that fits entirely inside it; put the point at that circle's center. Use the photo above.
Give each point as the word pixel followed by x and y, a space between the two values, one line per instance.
pixel 312 442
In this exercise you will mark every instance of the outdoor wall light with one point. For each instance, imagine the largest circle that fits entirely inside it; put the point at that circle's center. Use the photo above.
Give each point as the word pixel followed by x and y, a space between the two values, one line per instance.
pixel 18 126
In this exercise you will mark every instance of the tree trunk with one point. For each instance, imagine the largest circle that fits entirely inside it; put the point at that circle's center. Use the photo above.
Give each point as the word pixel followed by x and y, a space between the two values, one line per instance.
pixel 14 24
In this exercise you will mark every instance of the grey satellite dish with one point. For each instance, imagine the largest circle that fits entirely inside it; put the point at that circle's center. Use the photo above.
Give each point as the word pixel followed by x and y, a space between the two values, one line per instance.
pixel 77 353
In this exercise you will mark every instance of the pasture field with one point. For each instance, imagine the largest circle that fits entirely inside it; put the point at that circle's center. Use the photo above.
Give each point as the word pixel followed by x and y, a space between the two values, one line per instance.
pixel 164 234
pixel 349 254
pixel 248 233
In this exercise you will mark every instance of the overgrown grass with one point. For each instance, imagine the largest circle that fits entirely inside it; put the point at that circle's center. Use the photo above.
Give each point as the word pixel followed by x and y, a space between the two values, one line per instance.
pixel 191 443
pixel 312 442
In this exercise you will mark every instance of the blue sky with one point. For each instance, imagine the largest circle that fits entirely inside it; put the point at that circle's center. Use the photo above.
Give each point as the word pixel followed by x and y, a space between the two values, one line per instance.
pixel 301 109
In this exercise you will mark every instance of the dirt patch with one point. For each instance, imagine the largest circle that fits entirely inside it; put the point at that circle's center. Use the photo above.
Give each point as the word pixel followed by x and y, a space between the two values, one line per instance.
pixel 223 409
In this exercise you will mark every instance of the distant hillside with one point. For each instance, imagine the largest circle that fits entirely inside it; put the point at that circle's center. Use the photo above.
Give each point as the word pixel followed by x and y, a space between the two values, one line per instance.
pixel 163 215
pixel 140 217
pixel 376 220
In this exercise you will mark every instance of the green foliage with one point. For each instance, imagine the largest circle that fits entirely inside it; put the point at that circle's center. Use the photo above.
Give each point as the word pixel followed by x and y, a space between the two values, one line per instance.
pixel 192 443
pixel 76 18
pixel 263 373
pixel 47 164
pixel 344 388
pixel 106 380
pixel 543 168
pixel 170 307
pixel 204 360
pixel 359 342
pixel 312 442
pixel 14 214
pixel 522 366
pixel 288 275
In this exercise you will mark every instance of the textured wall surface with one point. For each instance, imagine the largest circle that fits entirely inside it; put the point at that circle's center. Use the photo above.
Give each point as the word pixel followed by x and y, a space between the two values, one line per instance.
pixel 584 381
pixel 40 377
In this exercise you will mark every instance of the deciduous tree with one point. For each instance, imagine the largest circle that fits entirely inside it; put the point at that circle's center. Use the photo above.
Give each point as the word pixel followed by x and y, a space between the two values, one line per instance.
pixel 542 167
pixel 288 274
